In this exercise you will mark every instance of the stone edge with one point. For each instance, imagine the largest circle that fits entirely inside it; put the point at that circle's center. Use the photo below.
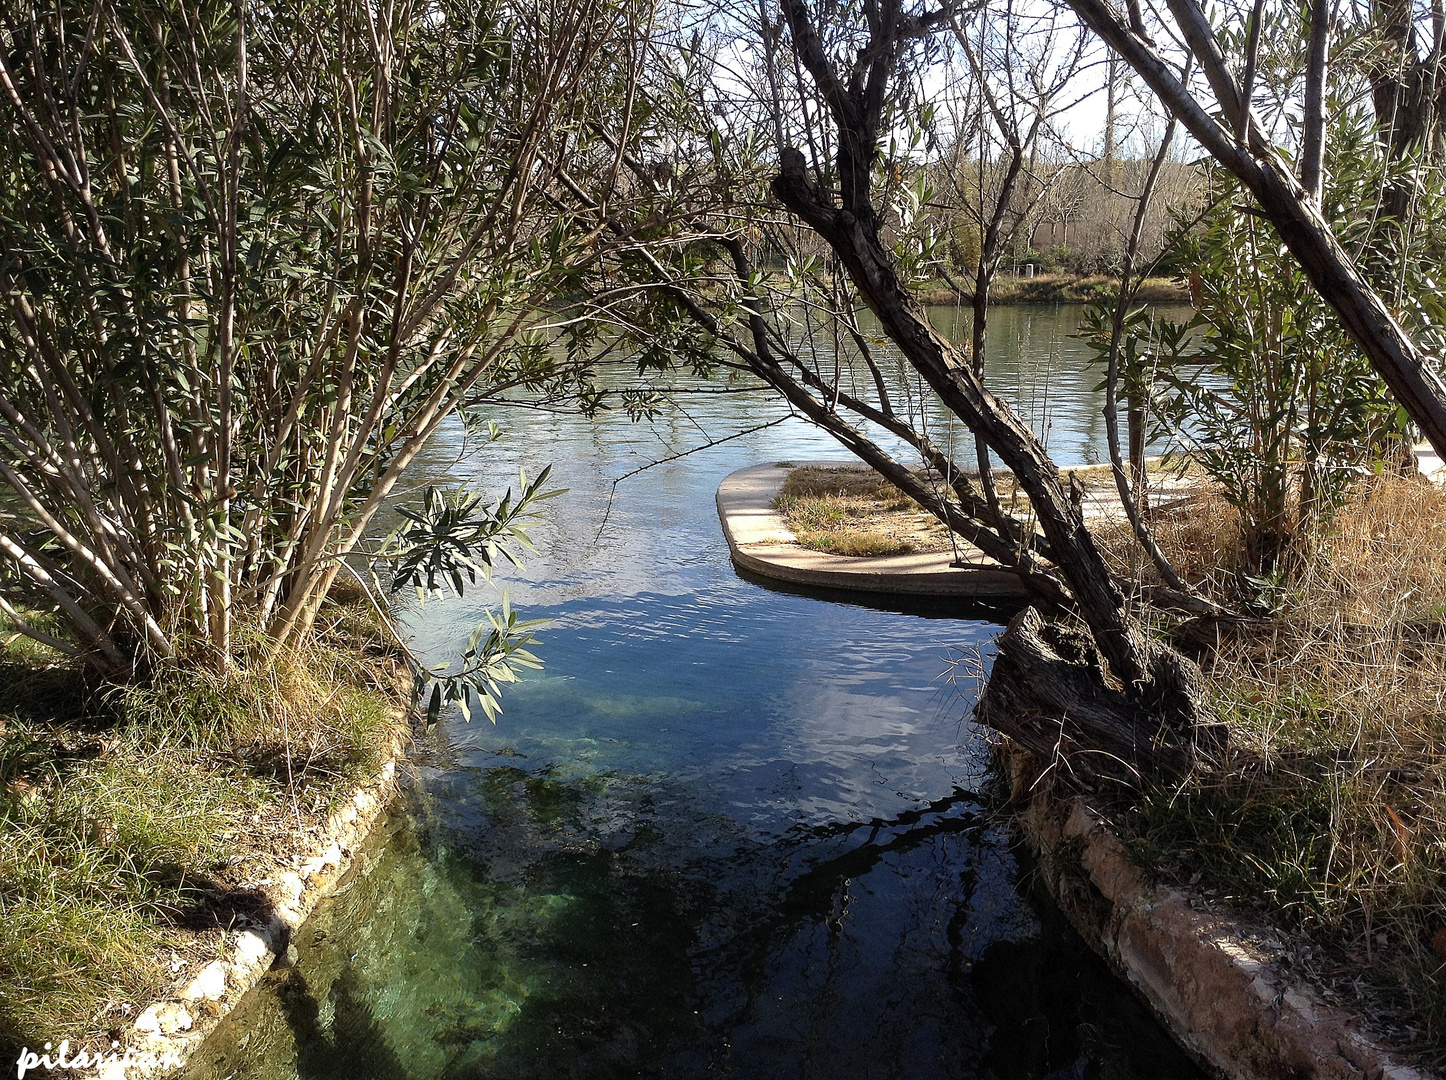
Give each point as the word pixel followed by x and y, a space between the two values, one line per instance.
pixel 1229 1005
pixel 169 1031
pixel 778 561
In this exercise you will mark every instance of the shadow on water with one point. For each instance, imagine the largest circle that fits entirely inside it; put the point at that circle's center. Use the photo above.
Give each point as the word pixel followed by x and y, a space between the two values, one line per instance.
pixel 926 607
pixel 347 1042
pixel 553 930
pixel 1052 1009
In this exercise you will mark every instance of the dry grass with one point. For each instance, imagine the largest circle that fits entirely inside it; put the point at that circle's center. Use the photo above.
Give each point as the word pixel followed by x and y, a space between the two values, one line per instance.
pixel 1199 532
pixel 1332 816
pixel 133 821
pixel 811 481
pixel 852 511
pixel 855 512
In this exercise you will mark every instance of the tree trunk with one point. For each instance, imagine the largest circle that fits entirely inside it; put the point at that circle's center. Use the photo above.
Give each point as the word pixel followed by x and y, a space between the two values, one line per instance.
pixel 1135 425
pixel 1141 704
pixel 1112 79
pixel 938 360
pixel 1406 96
pixel 1048 692
pixel 1395 356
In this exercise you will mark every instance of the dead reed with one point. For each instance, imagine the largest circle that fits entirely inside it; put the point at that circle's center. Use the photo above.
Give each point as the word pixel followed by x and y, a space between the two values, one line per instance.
pixel 1331 816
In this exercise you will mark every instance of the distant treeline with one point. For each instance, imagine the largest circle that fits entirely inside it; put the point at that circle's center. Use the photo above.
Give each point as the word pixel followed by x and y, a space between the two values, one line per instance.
pixel 1064 288
pixel 1074 216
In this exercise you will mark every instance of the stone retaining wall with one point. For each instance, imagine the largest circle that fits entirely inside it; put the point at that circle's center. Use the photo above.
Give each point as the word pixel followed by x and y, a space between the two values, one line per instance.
pixel 1221 995
pixel 170 1030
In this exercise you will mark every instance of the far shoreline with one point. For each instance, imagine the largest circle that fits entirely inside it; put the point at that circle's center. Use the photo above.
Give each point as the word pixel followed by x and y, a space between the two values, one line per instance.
pixel 1053 289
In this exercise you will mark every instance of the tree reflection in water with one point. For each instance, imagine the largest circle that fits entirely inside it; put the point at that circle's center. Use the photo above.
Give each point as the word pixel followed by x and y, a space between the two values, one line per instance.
pixel 549 927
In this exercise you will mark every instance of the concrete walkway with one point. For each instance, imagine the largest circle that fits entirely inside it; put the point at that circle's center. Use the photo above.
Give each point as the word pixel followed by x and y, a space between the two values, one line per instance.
pixel 760 542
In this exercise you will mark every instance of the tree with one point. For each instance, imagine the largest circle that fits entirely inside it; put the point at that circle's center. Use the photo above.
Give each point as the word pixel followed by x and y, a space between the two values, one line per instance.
pixel 853 119
pixel 1033 677
pixel 1270 397
pixel 1107 326
pixel 1232 133
pixel 253 257
pixel 1288 408
pixel 841 102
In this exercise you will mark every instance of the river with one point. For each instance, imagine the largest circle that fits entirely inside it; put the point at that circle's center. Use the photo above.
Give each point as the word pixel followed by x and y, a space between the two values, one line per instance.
pixel 728 831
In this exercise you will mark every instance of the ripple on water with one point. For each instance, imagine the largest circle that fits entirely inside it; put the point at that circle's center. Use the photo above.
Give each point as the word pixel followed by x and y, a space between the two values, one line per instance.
pixel 727 832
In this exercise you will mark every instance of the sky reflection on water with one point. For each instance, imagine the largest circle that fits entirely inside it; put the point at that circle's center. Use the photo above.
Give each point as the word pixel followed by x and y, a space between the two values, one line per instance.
pixel 729 831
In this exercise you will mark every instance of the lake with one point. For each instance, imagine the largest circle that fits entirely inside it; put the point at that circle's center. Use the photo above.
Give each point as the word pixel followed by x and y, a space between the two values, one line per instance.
pixel 728 831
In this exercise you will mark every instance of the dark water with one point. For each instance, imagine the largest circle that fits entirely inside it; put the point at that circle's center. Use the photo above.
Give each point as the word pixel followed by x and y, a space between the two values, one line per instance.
pixel 728 831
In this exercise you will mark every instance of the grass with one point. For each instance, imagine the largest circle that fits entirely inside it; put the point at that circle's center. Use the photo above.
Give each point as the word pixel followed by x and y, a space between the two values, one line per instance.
pixel 1330 817
pixel 860 544
pixel 134 821
pixel 95 868
pixel 854 512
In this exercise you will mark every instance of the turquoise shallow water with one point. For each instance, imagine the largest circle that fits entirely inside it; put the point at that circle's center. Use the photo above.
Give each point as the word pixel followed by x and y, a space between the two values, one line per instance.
pixel 728 831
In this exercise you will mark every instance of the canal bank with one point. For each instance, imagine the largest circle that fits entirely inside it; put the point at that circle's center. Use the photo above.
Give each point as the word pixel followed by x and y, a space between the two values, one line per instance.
pixel 1221 982
pixel 169 1031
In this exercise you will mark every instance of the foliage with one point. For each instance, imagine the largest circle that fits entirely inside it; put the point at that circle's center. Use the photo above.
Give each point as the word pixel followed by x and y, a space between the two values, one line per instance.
pixel 446 542
pixel 495 652
pixel 453 535
pixel 252 258
pixel 1262 385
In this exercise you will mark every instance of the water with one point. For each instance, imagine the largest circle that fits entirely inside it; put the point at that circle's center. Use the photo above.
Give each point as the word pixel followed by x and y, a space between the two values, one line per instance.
pixel 728 831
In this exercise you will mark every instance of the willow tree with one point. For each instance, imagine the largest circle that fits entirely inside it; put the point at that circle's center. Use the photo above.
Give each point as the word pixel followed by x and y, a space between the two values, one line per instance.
pixel 253 256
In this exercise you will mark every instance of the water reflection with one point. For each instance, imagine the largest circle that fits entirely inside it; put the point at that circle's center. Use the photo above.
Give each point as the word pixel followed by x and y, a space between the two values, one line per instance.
pixel 728 831
pixel 573 932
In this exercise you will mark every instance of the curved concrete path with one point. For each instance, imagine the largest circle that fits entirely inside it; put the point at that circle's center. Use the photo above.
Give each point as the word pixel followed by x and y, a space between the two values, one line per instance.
pixel 761 543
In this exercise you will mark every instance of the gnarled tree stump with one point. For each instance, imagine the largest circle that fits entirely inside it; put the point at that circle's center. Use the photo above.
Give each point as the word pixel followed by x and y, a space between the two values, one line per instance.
pixel 1049 692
